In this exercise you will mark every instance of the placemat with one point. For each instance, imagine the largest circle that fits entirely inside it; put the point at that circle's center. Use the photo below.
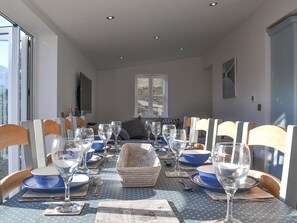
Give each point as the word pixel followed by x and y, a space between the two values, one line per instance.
pixel 255 193
pixel 174 175
pixel 51 210
pixel 30 195
pixel 131 211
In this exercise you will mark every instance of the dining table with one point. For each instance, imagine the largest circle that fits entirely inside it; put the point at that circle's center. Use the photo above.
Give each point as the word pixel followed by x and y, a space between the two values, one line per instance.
pixel 189 206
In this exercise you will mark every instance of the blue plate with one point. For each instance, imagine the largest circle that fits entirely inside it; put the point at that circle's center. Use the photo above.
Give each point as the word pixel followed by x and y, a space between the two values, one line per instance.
pixel 78 181
pixel 249 183
pixel 185 162
pixel 95 158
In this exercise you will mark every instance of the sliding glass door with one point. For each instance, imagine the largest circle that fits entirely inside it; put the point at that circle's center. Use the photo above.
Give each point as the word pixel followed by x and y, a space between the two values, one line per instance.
pixel 15 85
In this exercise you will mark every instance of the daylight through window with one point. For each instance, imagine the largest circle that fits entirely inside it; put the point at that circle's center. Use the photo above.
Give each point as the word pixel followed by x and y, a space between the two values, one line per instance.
pixel 151 98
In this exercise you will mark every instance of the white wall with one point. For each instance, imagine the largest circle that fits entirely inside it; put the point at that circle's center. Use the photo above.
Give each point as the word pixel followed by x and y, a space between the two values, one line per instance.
pixel 57 61
pixel 250 44
pixel 189 88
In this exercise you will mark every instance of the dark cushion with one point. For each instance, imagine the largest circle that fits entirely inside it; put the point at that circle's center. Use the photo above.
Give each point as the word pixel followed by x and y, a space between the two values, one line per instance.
pixel 135 128
pixel 124 134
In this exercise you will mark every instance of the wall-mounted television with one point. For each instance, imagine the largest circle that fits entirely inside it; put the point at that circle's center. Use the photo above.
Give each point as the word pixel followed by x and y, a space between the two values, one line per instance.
pixel 84 94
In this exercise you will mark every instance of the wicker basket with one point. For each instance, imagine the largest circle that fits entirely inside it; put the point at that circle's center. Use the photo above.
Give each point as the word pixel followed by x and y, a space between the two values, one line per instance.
pixel 138 165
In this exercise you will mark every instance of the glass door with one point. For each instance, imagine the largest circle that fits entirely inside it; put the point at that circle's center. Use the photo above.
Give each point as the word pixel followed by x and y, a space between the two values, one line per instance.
pixel 15 85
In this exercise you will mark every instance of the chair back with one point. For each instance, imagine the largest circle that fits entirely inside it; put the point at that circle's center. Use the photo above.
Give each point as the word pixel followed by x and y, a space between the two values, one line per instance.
pixel 44 128
pixel 234 130
pixel 17 135
pixel 285 141
pixel 209 126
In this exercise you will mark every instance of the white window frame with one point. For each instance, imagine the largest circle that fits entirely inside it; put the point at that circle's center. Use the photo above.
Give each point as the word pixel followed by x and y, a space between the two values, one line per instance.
pixel 150 96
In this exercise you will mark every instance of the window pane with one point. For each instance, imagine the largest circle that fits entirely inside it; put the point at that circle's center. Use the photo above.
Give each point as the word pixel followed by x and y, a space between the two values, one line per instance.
pixel 4 22
pixel 142 106
pixel 158 88
pixel 4 55
pixel 143 86
pixel 158 106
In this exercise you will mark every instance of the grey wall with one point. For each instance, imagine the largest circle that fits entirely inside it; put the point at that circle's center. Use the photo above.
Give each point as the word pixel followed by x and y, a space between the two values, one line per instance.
pixel 250 44
pixel 189 87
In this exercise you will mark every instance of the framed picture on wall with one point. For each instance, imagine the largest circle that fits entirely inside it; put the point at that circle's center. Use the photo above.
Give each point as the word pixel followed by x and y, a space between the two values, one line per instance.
pixel 229 78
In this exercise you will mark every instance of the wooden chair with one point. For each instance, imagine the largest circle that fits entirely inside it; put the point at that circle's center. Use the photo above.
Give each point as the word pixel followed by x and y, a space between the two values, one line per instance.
pixel 207 125
pixel 74 122
pixel 44 128
pixel 284 141
pixel 15 135
pixel 187 124
pixel 233 130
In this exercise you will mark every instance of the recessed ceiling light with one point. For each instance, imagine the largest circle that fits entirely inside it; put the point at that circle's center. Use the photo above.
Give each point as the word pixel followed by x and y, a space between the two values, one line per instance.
pixel 110 17
pixel 156 37
pixel 213 4
pixel 121 58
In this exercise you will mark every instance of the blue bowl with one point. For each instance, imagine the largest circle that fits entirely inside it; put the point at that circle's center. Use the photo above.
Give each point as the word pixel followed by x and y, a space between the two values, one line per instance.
pixel 207 175
pixel 48 177
pixel 196 156
pixel 96 137
pixel 90 154
pixel 162 140
pixel 97 146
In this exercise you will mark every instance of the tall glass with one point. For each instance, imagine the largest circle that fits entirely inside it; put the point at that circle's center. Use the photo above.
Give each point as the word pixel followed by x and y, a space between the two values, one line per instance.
pixel 156 130
pixel 231 163
pixel 105 132
pixel 178 139
pixel 166 129
pixel 147 126
pixel 67 155
pixel 116 129
pixel 86 135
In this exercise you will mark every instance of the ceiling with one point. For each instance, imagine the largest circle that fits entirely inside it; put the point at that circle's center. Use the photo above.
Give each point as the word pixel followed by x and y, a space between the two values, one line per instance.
pixel 189 24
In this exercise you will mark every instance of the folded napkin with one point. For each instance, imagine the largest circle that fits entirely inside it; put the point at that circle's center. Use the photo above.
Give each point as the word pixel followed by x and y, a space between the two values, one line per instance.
pixel 140 211
pixel 172 174
pixel 255 194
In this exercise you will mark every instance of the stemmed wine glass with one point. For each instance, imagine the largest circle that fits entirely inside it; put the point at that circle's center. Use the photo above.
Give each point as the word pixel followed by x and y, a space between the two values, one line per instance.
pixel 178 141
pixel 231 163
pixel 105 132
pixel 147 126
pixel 67 155
pixel 116 129
pixel 156 130
pixel 86 135
pixel 166 129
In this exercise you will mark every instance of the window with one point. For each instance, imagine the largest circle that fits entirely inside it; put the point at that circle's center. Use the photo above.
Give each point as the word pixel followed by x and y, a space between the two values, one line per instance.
pixel 151 95
pixel 15 84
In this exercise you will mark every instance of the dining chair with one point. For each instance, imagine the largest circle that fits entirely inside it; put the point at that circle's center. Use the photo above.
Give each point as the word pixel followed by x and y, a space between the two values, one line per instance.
pixel 285 141
pixel 44 128
pixel 209 126
pixel 17 135
pixel 72 123
pixel 187 124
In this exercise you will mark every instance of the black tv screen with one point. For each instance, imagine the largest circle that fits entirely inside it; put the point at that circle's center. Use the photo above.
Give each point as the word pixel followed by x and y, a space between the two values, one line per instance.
pixel 85 94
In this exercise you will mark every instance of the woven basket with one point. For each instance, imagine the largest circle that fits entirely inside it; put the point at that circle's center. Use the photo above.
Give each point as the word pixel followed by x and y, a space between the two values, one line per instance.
pixel 138 165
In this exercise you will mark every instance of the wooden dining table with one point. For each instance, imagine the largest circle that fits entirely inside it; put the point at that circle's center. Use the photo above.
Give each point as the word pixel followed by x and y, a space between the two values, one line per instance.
pixel 189 206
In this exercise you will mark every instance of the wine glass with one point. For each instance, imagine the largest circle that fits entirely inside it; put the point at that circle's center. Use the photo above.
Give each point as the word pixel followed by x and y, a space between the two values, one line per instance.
pixel 178 141
pixel 147 126
pixel 105 132
pixel 156 130
pixel 116 129
pixel 231 163
pixel 166 135
pixel 67 155
pixel 86 135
